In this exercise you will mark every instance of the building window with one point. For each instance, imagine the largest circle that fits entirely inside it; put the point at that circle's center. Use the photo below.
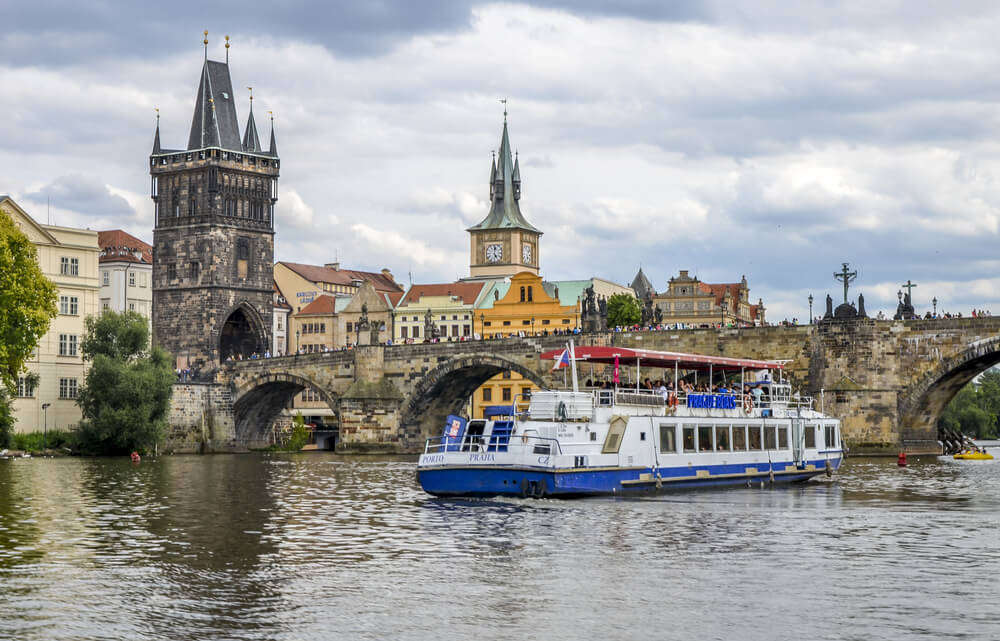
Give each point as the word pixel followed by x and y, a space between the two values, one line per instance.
pixel 242 257
pixel 67 388
pixel 526 322
pixel 280 324
pixel 171 272
pixel 404 332
pixel 487 394
pixel 105 306
pixel 105 277
pixel 522 294
pixel 416 332
pixel 545 321
pixel 195 272
pixel 25 388
pixel 68 305
pixel 67 344
pixel 131 307
pixel 466 330
pixel 505 394
pixel 69 266
pixel 565 321
pixel 529 294
pixel 131 279
pixel 506 323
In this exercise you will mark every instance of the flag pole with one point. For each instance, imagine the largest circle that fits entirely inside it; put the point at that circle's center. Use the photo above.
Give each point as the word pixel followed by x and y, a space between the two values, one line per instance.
pixel 572 364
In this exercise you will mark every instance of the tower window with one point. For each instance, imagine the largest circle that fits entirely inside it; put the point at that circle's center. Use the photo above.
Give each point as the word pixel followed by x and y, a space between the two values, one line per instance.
pixel 242 257
pixel 171 272
pixel 191 207
pixel 522 294
pixel 529 294
pixel 195 271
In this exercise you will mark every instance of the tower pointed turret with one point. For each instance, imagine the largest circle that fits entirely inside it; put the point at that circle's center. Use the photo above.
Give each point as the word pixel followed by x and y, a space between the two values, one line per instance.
pixel 273 149
pixel 251 141
pixel 156 136
pixel 505 211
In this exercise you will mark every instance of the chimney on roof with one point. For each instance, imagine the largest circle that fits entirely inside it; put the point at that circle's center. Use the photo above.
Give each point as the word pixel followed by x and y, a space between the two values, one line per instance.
pixel 333 266
pixel 388 274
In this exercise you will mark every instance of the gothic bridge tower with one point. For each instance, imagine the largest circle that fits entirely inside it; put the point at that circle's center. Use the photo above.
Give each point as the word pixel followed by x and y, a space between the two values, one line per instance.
pixel 214 232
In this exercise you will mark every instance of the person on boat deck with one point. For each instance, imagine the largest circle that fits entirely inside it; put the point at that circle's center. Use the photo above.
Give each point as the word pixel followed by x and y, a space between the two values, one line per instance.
pixel 758 393
pixel 662 390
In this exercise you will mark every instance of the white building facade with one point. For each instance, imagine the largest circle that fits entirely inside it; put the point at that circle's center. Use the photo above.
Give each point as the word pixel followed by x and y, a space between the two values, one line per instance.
pixel 126 265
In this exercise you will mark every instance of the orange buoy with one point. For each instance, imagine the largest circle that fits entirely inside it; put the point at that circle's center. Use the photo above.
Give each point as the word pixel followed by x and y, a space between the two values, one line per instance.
pixel 901 461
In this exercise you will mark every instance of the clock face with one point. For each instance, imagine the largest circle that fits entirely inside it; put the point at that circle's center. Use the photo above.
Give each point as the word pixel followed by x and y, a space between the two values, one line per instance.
pixel 526 253
pixel 494 253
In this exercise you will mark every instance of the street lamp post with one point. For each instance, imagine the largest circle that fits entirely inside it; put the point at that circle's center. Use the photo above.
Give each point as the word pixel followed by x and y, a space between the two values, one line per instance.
pixel 297 346
pixel 810 309
pixel 482 327
pixel 724 306
pixel 45 428
pixel 934 302
pixel 532 325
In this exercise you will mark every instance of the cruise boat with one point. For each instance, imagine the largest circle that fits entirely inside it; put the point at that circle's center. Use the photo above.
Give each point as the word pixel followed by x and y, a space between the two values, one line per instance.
pixel 623 439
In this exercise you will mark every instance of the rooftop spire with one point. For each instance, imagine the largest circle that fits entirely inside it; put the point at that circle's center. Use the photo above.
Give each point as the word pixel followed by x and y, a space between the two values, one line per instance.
pixel 227 52
pixel 156 138
pixel 214 123
pixel 205 42
pixel 273 151
pixel 505 211
pixel 251 141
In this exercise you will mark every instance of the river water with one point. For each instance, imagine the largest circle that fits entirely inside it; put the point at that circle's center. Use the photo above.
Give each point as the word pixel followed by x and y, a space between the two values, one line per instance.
pixel 320 546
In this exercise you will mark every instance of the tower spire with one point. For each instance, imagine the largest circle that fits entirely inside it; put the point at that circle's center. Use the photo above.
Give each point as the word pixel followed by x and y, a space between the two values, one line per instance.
pixel 156 137
pixel 273 151
pixel 251 141
pixel 205 42
pixel 227 52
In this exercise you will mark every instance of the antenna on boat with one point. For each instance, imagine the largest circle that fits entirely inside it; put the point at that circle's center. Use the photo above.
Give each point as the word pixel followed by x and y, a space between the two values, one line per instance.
pixel 572 365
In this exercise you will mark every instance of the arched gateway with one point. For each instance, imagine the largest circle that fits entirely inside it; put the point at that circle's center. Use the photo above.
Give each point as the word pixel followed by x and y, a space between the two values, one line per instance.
pixel 243 333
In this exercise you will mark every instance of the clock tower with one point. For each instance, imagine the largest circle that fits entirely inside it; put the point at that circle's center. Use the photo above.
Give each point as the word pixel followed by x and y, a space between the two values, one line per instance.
pixel 504 243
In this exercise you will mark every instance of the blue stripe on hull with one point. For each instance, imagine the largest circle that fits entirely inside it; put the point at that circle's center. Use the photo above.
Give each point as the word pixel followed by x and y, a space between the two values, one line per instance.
pixel 499 481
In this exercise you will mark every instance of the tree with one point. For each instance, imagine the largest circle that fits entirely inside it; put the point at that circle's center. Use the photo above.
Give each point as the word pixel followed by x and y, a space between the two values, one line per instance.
pixel 27 305
pixel 975 409
pixel 126 396
pixel 623 309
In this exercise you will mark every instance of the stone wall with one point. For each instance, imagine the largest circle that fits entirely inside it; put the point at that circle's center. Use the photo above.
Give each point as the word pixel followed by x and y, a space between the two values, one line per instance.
pixel 200 419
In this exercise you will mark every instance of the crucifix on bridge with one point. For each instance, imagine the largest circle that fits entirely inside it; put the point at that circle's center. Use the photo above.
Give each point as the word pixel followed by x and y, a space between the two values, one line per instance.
pixel 909 291
pixel 846 276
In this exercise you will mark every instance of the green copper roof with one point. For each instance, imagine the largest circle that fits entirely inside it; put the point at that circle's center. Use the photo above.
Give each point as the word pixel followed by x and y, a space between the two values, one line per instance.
pixel 505 213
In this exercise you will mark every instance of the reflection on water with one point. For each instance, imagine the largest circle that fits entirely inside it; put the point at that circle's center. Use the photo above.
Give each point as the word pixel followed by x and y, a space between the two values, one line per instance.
pixel 320 546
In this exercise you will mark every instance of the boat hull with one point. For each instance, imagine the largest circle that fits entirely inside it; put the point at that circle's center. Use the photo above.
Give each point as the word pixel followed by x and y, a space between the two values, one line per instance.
pixel 486 481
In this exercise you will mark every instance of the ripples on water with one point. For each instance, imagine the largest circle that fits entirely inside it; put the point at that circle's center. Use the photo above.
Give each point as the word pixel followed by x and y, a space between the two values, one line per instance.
pixel 316 546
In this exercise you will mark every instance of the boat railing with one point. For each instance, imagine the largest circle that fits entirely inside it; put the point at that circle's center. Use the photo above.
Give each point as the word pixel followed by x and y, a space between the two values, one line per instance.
pixel 476 444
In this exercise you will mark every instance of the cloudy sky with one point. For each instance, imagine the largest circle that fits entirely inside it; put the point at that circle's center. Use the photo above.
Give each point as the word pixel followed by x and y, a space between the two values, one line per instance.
pixel 770 139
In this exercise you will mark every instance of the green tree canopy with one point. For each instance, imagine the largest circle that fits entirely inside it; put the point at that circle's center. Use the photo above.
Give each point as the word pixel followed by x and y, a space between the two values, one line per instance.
pixel 27 301
pixel 975 409
pixel 623 309
pixel 27 305
pixel 126 397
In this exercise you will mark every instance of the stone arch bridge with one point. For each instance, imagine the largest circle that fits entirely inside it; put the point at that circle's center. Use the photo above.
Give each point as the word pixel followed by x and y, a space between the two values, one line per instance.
pixel 887 380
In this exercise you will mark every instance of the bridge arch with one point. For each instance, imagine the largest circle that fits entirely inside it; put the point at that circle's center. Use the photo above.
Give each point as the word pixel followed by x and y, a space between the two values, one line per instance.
pixel 446 389
pixel 243 332
pixel 922 402
pixel 258 402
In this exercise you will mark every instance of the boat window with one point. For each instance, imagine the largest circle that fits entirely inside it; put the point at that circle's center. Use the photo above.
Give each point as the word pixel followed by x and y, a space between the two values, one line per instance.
pixel 755 441
pixel 705 438
pixel 721 438
pixel 593 436
pixel 689 439
pixel 668 438
pixel 810 434
pixel 613 441
pixel 642 436
pixel 831 436
pixel 543 448
pixel 739 437
pixel 782 438
pixel 770 437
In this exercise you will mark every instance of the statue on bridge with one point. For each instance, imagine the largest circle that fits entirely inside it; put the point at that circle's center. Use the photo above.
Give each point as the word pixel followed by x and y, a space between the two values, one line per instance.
pixel 904 310
pixel 431 331
pixel 362 327
pixel 846 310
pixel 593 312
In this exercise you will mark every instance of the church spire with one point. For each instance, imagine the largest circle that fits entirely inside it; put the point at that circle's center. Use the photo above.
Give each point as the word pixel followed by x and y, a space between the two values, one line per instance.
pixel 214 123
pixel 251 141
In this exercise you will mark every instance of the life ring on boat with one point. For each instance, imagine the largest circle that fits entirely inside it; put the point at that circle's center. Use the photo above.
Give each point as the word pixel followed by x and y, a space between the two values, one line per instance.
pixel 672 400
pixel 747 404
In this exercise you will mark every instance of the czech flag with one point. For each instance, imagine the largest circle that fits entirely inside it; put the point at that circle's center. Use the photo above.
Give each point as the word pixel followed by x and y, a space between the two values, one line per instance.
pixel 562 361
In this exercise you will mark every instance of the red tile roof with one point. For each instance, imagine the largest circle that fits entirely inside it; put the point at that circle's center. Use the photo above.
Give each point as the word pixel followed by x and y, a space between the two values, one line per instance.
pixel 320 274
pixel 323 305
pixel 719 290
pixel 394 298
pixel 466 292
pixel 120 247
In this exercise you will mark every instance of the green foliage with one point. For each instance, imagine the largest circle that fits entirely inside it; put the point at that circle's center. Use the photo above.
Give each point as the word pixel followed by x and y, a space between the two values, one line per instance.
pixel 6 418
pixel 623 309
pixel 27 301
pixel 38 441
pixel 975 411
pixel 297 437
pixel 119 336
pixel 126 397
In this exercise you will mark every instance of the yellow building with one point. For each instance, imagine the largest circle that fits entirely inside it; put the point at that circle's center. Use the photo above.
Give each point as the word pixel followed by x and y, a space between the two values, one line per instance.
pixel 69 258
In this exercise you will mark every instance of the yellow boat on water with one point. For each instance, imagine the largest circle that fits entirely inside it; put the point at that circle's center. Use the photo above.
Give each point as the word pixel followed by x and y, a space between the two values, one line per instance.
pixel 974 456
